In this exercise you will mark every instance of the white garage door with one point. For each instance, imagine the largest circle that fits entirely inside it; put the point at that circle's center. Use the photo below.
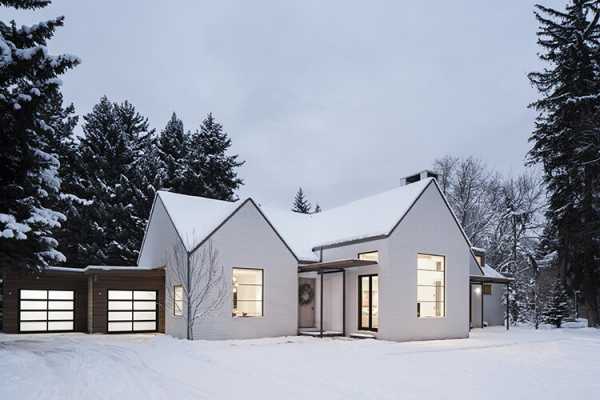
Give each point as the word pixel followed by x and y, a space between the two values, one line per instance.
pixel 46 310
pixel 132 311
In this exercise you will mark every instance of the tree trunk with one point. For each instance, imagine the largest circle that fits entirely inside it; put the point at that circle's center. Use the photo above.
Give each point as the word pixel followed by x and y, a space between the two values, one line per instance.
pixel 190 333
pixel 589 276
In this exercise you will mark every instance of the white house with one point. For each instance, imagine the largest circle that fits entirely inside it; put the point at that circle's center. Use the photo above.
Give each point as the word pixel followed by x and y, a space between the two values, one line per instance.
pixel 396 265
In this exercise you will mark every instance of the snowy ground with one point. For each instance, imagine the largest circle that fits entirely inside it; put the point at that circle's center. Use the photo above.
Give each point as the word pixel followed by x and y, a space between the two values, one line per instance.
pixel 492 364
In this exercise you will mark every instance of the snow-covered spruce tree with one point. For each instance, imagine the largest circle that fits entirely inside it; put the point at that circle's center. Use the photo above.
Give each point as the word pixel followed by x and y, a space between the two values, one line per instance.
pixel 173 143
pixel 557 306
pixel 30 116
pixel 317 209
pixel 210 170
pixel 566 140
pixel 300 204
pixel 111 160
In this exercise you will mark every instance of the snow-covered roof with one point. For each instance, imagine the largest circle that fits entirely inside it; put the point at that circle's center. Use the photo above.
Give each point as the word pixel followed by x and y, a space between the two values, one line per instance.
pixel 195 218
pixel 365 218
pixel 490 272
pixel 101 268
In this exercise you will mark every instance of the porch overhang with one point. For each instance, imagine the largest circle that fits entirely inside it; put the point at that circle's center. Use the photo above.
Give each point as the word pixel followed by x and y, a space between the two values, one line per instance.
pixel 489 279
pixel 335 265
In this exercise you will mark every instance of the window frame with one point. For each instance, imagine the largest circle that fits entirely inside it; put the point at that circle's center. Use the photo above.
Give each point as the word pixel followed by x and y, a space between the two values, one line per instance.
pixel 368 252
pixel 175 301
pixel 262 292
pixel 444 310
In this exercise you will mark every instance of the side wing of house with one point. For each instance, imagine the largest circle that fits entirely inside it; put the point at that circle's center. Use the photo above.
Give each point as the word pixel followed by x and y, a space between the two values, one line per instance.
pixel 260 279
pixel 424 289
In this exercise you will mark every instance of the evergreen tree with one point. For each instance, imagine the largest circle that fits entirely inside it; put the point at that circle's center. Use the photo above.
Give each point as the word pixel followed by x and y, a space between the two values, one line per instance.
pixel 317 209
pixel 173 144
pixel 210 171
pixel 301 205
pixel 112 151
pixel 557 307
pixel 31 124
pixel 566 140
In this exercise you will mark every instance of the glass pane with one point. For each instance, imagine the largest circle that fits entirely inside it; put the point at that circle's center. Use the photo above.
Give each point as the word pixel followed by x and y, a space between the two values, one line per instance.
pixel 60 295
pixel 60 326
pixel 429 262
pixel 33 315
pixel 144 305
pixel 144 295
pixel 120 315
pixel 429 278
pixel 178 293
pixel 60 305
pixel 253 293
pixel 370 256
pixel 54 315
pixel 248 309
pixel 178 307
pixel 33 294
pixel 33 305
pixel 144 326
pixel 431 309
pixel 32 326
pixel 375 302
pixel 247 276
pixel 119 295
pixel 119 326
pixel 430 293
pixel 364 302
pixel 119 305
pixel 144 315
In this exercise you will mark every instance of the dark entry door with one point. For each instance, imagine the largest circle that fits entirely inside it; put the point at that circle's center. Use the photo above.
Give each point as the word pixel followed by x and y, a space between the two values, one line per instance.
pixel 368 299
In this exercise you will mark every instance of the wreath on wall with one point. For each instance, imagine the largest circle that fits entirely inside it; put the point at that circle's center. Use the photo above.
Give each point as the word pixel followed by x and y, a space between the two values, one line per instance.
pixel 306 294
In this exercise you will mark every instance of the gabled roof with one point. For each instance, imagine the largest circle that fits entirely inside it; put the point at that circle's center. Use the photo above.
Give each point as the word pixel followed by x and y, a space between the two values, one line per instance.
pixel 370 217
pixel 196 218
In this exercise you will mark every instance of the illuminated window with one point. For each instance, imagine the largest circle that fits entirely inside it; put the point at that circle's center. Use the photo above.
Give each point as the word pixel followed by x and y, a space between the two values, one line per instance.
pixel 369 256
pixel 247 292
pixel 479 260
pixel 431 286
pixel 178 300
pixel 487 289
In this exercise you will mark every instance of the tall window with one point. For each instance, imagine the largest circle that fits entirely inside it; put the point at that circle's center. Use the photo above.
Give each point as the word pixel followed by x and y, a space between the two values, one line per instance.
pixel 178 300
pixel 431 286
pixel 247 292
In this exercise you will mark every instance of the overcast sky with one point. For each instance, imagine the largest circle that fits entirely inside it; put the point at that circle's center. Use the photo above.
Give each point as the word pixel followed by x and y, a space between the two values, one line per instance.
pixel 342 98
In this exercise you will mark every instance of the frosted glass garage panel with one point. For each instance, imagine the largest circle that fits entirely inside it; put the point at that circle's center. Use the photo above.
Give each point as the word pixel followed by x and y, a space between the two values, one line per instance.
pixel 144 326
pixel 33 305
pixel 120 295
pixel 32 326
pixel 144 295
pixel 430 293
pixel 144 315
pixel 119 315
pixel 119 326
pixel 431 309
pixel 60 325
pixel 119 305
pixel 34 294
pixel 60 305
pixel 33 316
pixel 58 315
pixel 60 295
pixel 144 305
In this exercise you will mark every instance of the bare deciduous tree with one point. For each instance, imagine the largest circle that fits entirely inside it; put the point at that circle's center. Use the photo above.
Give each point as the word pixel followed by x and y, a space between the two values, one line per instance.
pixel 202 279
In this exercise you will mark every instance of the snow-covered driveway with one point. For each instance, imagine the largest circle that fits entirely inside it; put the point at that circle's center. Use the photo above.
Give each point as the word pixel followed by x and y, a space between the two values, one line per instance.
pixel 492 364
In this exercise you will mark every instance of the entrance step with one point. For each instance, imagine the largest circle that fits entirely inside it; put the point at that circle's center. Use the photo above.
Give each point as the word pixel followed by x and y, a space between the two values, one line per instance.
pixel 318 333
pixel 361 335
